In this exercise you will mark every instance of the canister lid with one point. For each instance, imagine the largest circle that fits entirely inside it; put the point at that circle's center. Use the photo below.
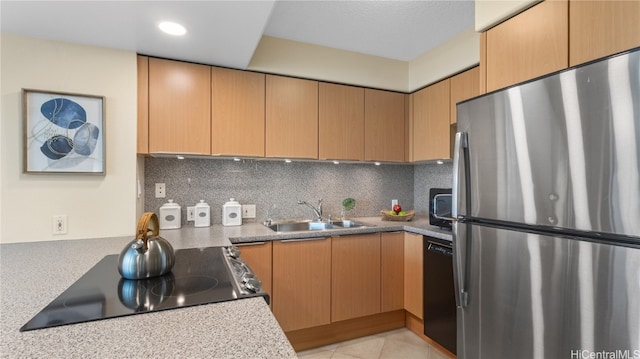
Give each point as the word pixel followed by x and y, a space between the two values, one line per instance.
pixel 232 201
pixel 170 204
pixel 202 204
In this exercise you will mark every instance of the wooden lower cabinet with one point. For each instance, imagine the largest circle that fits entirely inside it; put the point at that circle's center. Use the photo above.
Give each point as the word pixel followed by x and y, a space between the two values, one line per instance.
pixel 355 276
pixel 302 283
pixel 392 271
pixel 335 289
pixel 413 278
pixel 258 257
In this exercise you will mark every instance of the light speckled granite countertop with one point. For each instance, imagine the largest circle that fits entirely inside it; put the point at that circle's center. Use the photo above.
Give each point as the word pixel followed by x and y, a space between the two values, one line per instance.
pixel 256 232
pixel 33 274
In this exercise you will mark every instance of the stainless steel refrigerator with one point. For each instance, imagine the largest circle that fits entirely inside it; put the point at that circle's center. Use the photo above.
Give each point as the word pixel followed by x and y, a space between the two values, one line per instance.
pixel 546 196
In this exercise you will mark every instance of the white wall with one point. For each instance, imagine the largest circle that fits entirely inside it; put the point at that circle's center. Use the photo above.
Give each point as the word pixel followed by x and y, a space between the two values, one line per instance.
pixel 455 55
pixel 298 59
pixel 96 206
pixel 489 13
pixel 292 58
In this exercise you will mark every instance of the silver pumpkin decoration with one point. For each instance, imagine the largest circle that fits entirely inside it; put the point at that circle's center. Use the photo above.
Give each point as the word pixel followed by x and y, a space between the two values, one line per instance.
pixel 146 256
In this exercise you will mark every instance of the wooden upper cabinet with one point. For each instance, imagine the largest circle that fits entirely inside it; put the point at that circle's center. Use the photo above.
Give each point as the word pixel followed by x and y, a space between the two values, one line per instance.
pixel 143 105
pixel 384 116
pixel 464 86
pixel 392 271
pixel 291 117
pixel 601 28
pixel 530 44
pixel 179 107
pixel 302 283
pixel 431 137
pixel 408 121
pixel 341 122
pixel 355 276
pixel 237 112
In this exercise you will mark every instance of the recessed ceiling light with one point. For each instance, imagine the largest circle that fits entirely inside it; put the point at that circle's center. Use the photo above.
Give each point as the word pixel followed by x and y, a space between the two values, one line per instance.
pixel 377 163
pixel 336 162
pixel 439 162
pixel 287 161
pixel 172 28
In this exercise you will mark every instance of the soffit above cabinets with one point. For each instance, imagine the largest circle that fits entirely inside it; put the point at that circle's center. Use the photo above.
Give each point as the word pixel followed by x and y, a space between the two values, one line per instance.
pixel 226 33
pixel 398 30
pixel 223 33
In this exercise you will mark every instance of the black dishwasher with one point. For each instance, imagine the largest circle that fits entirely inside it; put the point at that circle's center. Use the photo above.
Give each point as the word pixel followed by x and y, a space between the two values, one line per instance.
pixel 439 297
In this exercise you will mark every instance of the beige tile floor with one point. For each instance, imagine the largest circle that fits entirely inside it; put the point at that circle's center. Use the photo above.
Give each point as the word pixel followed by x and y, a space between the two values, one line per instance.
pixel 400 343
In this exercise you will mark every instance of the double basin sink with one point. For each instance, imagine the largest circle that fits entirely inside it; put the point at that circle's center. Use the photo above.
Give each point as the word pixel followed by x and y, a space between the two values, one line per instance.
pixel 296 226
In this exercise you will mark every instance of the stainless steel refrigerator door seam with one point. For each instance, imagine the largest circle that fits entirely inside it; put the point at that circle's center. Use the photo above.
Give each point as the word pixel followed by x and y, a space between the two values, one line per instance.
pixel 589 236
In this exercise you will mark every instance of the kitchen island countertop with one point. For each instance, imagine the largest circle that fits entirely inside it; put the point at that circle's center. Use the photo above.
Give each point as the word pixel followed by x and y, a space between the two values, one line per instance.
pixel 35 273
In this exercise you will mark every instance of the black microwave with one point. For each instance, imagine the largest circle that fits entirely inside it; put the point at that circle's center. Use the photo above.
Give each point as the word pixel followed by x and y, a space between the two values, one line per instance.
pixel 440 207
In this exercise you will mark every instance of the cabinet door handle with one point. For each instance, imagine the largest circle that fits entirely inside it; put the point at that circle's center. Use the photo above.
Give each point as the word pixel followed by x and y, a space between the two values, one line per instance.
pixel 249 244
pixel 302 239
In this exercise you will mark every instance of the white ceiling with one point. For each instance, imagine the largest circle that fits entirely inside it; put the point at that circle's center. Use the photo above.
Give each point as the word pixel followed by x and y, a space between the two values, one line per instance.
pixel 226 33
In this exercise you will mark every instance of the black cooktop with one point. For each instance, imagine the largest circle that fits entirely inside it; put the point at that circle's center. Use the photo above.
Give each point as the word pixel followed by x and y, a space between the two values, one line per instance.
pixel 199 276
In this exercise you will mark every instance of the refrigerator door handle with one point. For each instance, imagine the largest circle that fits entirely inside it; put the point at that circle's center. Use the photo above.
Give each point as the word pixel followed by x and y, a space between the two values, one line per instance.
pixel 460 263
pixel 458 147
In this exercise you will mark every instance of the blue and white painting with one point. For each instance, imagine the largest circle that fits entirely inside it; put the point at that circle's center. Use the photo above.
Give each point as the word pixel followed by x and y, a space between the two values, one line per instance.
pixel 64 133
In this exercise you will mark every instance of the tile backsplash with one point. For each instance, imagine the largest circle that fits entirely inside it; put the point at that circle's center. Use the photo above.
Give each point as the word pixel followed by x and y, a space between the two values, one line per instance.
pixel 267 183
pixel 427 176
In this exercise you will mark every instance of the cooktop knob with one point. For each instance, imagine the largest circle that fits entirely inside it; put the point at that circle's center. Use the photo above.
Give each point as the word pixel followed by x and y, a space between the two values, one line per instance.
pixel 253 285
pixel 248 276
pixel 234 252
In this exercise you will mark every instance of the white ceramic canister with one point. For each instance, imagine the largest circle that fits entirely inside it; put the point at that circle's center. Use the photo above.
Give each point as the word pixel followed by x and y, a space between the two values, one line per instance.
pixel 231 213
pixel 170 217
pixel 202 213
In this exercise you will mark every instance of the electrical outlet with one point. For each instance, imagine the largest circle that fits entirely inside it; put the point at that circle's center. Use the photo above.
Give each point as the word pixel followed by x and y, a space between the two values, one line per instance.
pixel 161 190
pixel 59 224
pixel 393 202
pixel 191 214
pixel 248 211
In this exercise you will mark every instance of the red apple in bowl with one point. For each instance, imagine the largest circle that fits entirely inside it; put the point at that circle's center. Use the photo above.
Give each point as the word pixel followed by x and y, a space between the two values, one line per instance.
pixel 396 208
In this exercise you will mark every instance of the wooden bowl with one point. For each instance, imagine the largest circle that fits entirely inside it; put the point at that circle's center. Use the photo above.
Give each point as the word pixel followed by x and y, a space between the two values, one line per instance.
pixel 386 216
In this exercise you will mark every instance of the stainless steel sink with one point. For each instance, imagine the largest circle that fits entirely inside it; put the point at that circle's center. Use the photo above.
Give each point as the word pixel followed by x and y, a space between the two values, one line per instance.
pixel 300 226
pixel 347 223
pixel 296 226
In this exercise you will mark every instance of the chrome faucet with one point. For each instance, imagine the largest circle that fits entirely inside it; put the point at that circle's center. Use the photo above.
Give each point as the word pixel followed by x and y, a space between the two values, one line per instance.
pixel 268 220
pixel 316 210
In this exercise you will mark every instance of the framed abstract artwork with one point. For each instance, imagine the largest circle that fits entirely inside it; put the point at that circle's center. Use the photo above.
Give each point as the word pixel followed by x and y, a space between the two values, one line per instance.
pixel 63 132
